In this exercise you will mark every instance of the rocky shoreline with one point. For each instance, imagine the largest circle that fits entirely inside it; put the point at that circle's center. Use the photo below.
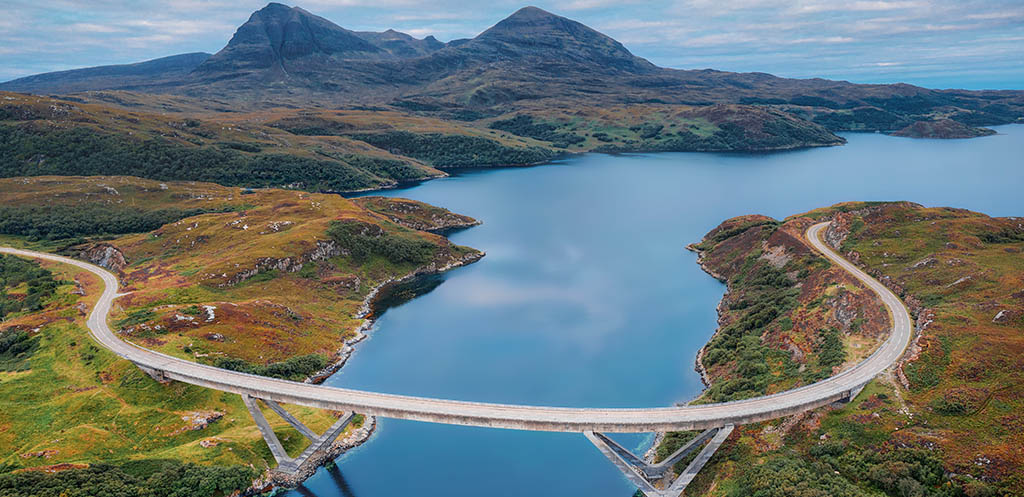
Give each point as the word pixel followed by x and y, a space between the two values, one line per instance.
pixel 698 362
pixel 272 479
pixel 659 437
pixel 365 312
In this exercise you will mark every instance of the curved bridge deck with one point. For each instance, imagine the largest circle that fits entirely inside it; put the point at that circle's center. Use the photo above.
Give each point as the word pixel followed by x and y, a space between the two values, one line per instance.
pixel 520 417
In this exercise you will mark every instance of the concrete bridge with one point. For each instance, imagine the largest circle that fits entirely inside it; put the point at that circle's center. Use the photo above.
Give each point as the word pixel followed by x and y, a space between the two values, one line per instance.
pixel 717 420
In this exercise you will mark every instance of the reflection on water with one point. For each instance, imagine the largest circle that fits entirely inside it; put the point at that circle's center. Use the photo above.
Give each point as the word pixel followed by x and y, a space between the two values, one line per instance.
pixel 339 489
pixel 587 297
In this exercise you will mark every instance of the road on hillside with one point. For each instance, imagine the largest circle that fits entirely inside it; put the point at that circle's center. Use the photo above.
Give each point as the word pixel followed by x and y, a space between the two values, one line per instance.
pixel 522 417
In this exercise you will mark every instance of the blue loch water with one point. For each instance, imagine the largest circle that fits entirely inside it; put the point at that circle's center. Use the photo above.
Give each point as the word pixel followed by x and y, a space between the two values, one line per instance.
pixel 587 297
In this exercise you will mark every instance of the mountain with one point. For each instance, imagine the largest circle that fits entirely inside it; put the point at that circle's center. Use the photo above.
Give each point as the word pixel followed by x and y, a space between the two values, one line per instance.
pixel 532 33
pixel 531 61
pixel 281 43
pixel 116 77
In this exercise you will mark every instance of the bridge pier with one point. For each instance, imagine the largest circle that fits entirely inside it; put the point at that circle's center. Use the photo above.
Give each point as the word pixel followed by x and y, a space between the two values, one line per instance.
pixel 156 374
pixel 287 464
pixel 644 475
pixel 850 395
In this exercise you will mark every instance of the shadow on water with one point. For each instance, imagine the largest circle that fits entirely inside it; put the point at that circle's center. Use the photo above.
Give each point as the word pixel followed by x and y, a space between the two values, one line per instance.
pixel 398 294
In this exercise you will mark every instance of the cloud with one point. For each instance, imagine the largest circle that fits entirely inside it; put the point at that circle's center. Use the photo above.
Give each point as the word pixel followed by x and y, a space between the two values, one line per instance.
pixel 859 6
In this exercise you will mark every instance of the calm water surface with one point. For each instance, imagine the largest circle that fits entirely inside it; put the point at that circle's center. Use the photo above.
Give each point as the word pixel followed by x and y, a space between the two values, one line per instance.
pixel 588 298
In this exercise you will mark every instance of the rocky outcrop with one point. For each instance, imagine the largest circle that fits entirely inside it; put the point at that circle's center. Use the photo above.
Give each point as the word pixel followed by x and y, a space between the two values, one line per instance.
pixel 837 231
pixel 416 215
pixel 1006 316
pixel 105 255
pixel 324 249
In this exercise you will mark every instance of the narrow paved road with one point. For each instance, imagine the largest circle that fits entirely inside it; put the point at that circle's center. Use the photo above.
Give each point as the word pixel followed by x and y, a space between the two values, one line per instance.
pixel 521 417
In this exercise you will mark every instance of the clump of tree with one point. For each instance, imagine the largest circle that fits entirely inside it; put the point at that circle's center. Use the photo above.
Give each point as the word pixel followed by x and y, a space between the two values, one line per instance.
pixel 525 125
pixel 57 222
pixel 1004 236
pixel 365 240
pixel 863 119
pixel 295 368
pixel 171 479
pixel 454 150
pixel 841 468
pixel 385 168
pixel 39 281
pixel 16 346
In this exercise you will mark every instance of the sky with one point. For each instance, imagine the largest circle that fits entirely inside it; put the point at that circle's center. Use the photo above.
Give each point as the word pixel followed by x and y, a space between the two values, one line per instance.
pixel 972 44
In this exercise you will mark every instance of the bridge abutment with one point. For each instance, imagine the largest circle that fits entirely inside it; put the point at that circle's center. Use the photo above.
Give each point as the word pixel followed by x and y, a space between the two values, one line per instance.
pixel 647 475
pixel 156 374
pixel 286 464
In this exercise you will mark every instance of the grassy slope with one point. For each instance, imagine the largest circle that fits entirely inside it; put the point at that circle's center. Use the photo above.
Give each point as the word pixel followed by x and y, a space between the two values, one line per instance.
pixel 952 407
pixel 785 308
pixel 415 215
pixel 253 264
pixel 78 404
pixel 353 149
pixel 311 150
pixel 55 136
pixel 653 127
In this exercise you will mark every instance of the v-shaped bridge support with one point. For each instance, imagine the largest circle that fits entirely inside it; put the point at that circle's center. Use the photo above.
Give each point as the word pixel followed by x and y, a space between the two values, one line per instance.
pixel 644 475
pixel 287 464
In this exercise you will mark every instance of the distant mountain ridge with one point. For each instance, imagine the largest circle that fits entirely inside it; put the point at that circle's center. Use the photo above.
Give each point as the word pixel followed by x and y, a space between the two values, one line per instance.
pixel 533 59
pixel 121 76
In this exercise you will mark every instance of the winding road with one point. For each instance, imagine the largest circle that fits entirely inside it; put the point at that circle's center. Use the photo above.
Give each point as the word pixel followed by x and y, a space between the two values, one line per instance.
pixel 521 417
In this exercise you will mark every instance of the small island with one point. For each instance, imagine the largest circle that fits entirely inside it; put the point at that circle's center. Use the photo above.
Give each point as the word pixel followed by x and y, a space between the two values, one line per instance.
pixel 942 129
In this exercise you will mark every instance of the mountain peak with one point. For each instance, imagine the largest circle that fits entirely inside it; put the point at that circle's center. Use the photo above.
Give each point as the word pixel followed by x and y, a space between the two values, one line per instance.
pixel 279 38
pixel 537 32
pixel 531 12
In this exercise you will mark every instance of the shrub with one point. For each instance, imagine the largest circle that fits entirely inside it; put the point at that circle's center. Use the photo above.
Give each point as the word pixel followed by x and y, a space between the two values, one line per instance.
pixel 295 368
pixel 524 125
pixel 172 479
pixel 364 240
pixel 14 272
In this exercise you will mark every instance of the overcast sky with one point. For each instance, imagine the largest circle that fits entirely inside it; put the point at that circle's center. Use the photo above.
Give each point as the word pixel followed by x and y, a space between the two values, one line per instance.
pixel 937 43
